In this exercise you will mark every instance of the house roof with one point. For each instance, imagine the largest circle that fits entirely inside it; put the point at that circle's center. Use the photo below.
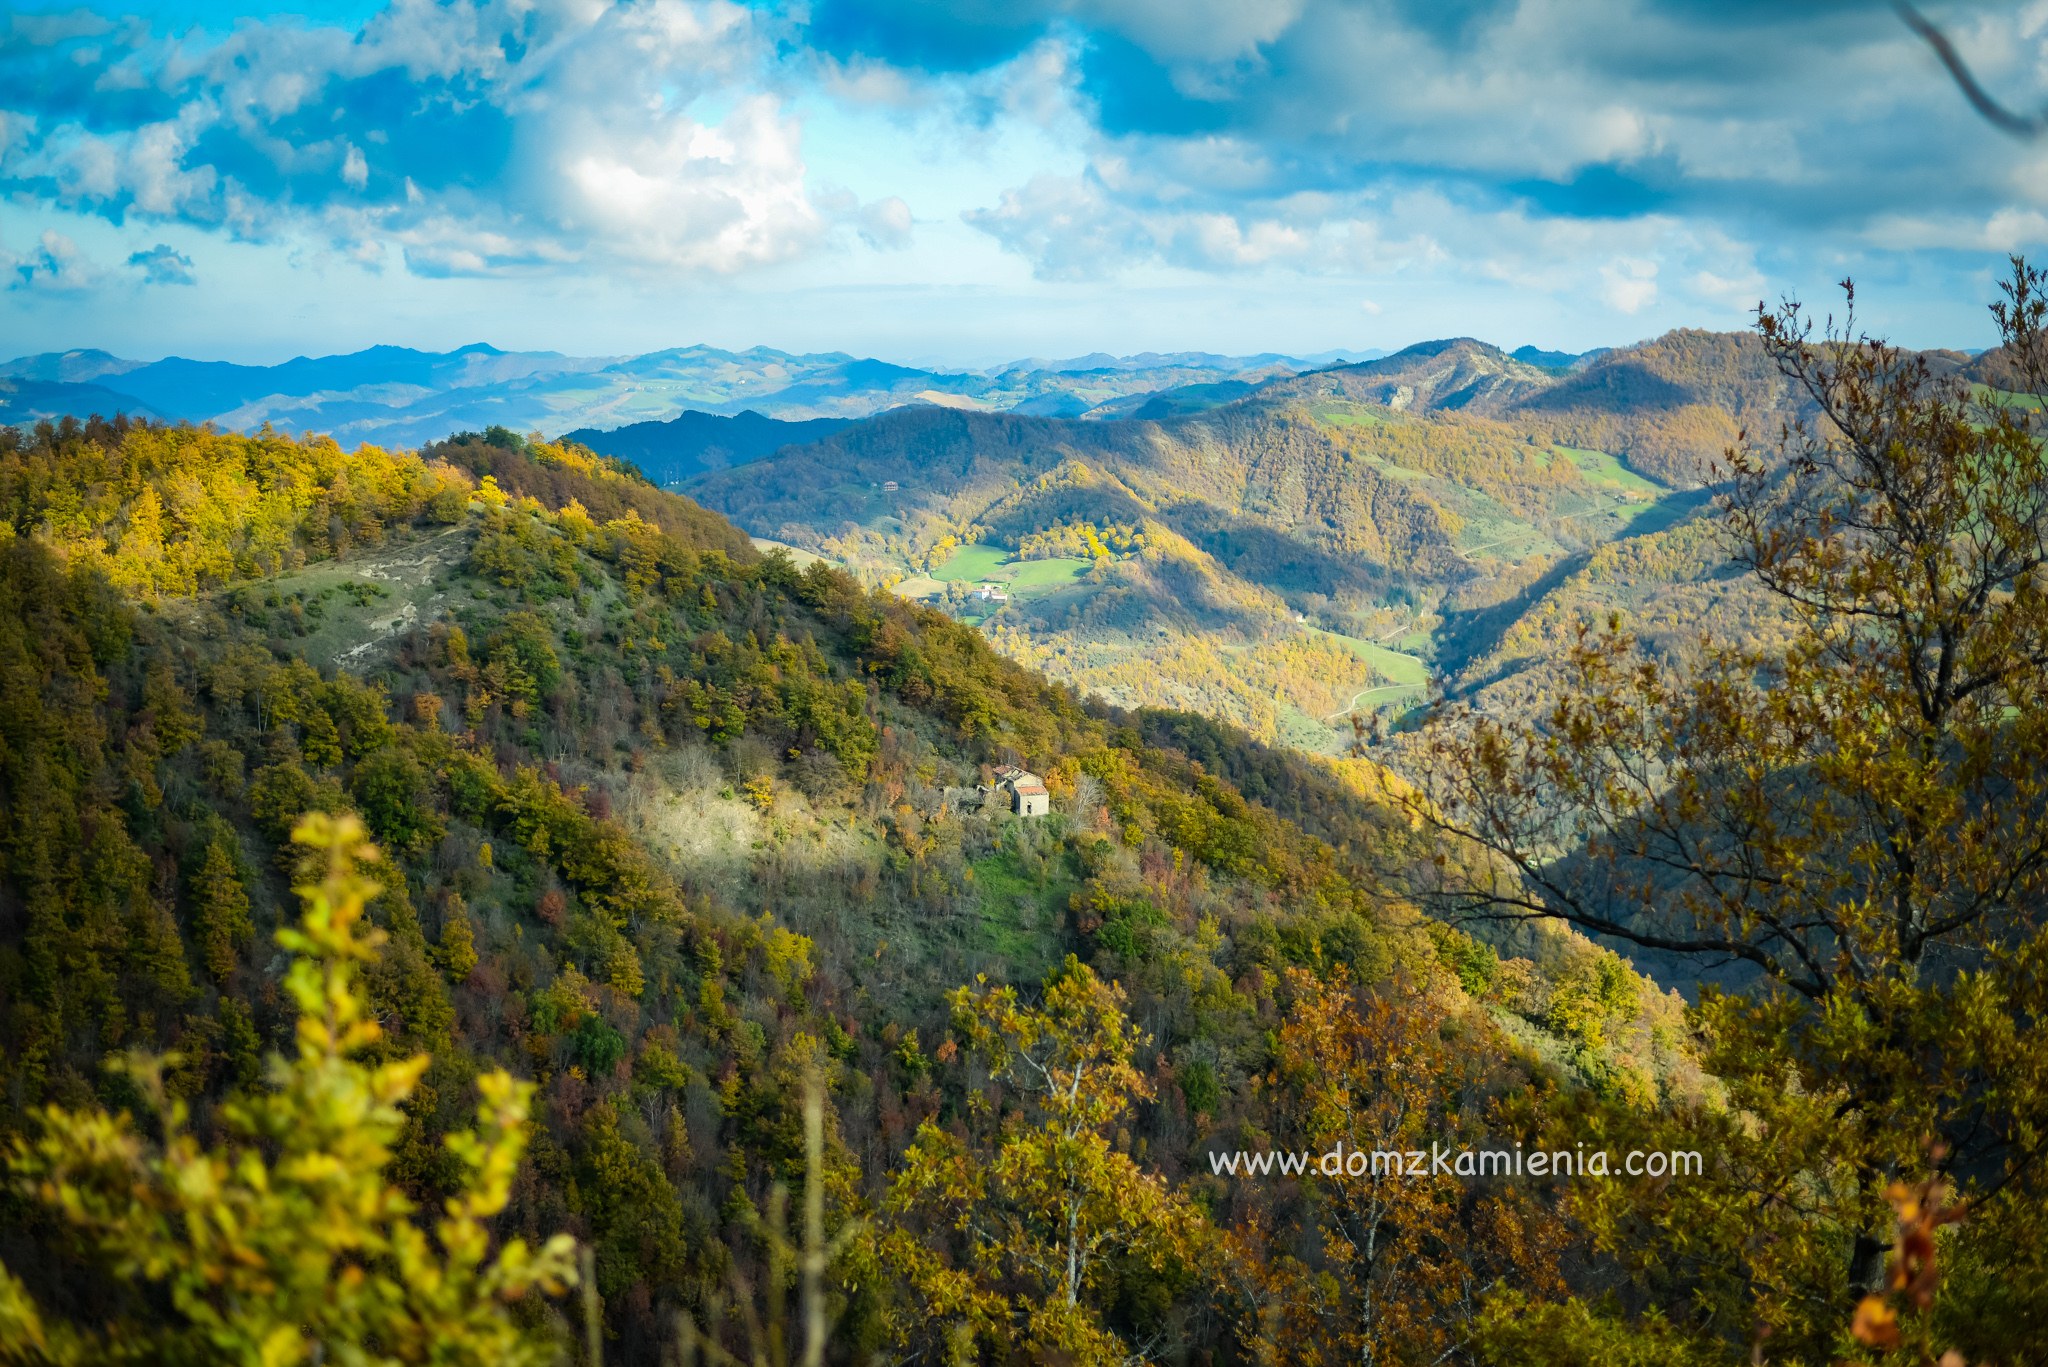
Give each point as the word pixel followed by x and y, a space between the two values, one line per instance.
pixel 1031 789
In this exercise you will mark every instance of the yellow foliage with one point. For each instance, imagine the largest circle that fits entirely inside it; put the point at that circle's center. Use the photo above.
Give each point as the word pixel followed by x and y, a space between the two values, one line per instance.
pixel 286 1243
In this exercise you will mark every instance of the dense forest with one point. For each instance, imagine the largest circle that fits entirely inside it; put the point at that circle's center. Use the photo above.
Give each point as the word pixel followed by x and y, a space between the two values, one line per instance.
pixel 469 905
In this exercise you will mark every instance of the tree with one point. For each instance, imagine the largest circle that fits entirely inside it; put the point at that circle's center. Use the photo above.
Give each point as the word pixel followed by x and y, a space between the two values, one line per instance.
pixel 220 908
pixel 287 1243
pixel 1400 1264
pixel 1858 822
pixel 1015 1237
pixel 458 945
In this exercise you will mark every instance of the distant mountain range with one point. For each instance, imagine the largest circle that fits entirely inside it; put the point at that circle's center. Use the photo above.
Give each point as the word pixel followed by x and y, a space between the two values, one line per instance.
pixel 694 443
pixel 396 396
pixel 1289 551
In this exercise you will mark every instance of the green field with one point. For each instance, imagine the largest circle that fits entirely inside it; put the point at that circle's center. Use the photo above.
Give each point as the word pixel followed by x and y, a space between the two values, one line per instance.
pixel 1609 473
pixel 1347 415
pixel 992 564
pixel 798 556
pixel 339 610
pixel 2004 398
pixel 1393 471
pixel 1017 912
pixel 1395 666
pixel 972 562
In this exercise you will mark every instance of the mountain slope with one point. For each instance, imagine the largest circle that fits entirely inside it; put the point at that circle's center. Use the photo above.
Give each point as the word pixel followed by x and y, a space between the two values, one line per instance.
pixel 694 443
pixel 27 400
pixel 1670 406
pixel 397 396
pixel 1289 553
pixel 667 825
pixel 67 367
pixel 1275 560
pixel 1455 374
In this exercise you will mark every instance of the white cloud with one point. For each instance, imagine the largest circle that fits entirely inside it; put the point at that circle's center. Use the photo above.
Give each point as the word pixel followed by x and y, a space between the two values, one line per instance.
pixel 2005 230
pixel 164 265
pixel 1629 286
pixel 55 266
pixel 1067 227
pixel 1209 31
pixel 545 132
pixel 885 224
pixel 695 196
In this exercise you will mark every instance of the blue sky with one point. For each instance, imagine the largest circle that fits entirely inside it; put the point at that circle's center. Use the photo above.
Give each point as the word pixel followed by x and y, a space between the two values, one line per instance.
pixel 967 181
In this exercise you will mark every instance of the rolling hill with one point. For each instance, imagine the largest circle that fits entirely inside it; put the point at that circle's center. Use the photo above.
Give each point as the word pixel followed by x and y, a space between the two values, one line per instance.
pixel 397 396
pixel 666 827
pixel 1250 560
pixel 1290 551
pixel 694 443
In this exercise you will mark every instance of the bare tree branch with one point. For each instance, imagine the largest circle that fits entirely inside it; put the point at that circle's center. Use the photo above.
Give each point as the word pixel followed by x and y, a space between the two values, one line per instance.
pixel 1994 113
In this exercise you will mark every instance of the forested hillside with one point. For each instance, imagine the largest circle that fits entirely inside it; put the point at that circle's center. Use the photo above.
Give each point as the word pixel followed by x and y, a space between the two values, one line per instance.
pixel 484 831
pixel 667 825
pixel 692 443
pixel 1300 556
pixel 1286 561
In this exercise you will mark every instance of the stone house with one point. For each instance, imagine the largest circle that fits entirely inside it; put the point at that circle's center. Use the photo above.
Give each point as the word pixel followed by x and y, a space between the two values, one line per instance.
pixel 1025 789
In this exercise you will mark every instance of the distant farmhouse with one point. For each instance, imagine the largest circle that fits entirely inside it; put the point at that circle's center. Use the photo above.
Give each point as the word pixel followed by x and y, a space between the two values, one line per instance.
pixel 992 593
pixel 889 486
pixel 1026 790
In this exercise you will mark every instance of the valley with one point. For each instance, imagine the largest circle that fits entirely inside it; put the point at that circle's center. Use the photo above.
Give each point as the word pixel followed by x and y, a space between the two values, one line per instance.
pixel 1288 557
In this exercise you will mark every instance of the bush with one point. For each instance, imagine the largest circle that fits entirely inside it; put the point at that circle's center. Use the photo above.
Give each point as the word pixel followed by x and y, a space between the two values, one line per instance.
pixel 289 1243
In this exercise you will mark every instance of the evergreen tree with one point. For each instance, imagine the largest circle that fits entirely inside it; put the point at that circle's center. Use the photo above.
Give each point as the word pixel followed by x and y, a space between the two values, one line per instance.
pixel 220 908
pixel 286 1243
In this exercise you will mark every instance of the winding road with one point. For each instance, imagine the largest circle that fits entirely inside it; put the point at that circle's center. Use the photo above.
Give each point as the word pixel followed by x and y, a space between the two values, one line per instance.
pixel 1366 693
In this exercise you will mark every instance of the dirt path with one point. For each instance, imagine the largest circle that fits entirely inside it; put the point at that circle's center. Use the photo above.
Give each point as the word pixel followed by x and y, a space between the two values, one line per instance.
pixel 1366 693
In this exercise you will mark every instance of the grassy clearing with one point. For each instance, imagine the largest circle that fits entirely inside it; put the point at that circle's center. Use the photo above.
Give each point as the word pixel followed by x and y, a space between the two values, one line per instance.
pixel 1393 471
pixel 1347 415
pixel 1408 680
pixel 1048 573
pixel 1504 538
pixel 1313 734
pixel 1416 642
pixel 1392 664
pixel 992 564
pixel 1018 912
pixel 341 611
pixel 1608 472
pixel 2005 398
pixel 798 556
pixel 975 562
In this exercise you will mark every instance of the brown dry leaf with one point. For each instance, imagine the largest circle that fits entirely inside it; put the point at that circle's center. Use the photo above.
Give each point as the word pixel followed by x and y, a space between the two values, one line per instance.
pixel 1876 1324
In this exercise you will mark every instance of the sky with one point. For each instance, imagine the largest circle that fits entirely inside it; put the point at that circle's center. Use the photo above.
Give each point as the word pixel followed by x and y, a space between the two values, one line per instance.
pixel 971 181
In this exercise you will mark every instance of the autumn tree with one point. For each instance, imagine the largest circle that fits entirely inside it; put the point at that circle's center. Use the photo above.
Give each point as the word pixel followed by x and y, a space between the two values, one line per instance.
pixel 220 906
pixel 1017 1232
pixel 286 1243
pixel 1399 1264
pixel 1854 826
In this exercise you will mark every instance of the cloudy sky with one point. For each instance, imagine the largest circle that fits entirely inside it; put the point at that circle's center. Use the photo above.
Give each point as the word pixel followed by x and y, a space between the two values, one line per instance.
pixel 973 180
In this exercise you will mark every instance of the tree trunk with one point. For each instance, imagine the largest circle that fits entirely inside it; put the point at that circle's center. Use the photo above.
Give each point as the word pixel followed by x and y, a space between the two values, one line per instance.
pixel 1866 1265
